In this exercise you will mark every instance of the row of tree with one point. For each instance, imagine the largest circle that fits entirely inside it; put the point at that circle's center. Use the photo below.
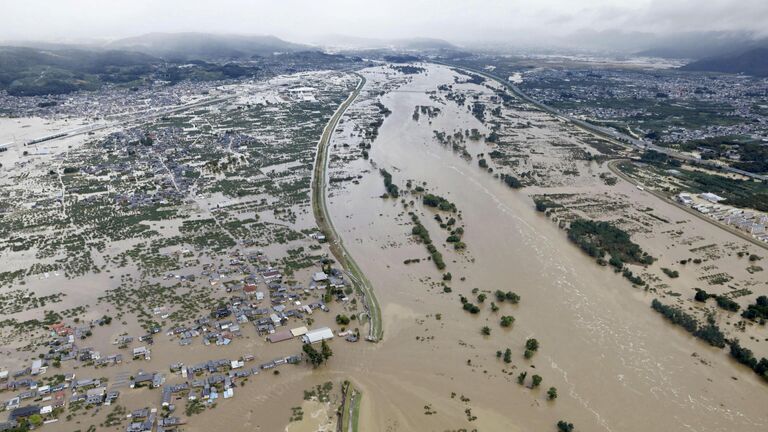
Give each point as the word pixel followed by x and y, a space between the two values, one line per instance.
pixel 708 332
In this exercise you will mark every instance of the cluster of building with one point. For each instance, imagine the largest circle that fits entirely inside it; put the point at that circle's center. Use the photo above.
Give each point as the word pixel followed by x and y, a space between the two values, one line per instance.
pixel 107 103
pixel 224 323
pixel 206 381
pixel 599 92
pixel 751 222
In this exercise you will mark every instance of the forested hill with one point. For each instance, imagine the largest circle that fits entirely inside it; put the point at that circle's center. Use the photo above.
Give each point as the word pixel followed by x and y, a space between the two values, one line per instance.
pixel 30 71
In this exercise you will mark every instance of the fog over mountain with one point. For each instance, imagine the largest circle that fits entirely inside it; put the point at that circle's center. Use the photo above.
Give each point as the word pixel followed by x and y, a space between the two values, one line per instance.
pixel 202 45
pixel 621 25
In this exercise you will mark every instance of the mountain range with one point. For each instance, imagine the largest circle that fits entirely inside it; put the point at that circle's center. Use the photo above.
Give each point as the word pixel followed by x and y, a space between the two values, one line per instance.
pixel 187 46
pixel 46 68
pixel 751 62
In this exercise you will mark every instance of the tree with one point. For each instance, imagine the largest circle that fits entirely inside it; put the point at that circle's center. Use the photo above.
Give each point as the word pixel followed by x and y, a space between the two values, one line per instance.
pixel 564 426
pixel 342 319
pixel 701 295
pixel 552 393
pixel 536 381
pixel 486 331
pixel 512 181
pixel 326 351
pixel 531 345
pixel 521 377
pixel 499 296
pixel 512 297
pixel 314 357
pixel 508 356
pixel 35 420
pixel 481 298
pixel 507 320
pixel 469 307
pixel 392 189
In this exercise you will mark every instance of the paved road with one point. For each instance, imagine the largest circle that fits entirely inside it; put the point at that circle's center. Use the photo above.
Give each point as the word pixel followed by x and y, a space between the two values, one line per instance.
pixel 322 216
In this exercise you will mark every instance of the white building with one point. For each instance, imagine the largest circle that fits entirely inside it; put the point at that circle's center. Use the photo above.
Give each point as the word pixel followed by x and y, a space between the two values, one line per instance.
pixel 711 197
pixel 684 199
pixel 317 335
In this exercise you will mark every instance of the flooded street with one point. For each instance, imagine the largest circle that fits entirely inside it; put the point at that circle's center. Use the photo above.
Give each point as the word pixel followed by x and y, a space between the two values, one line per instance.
pixel 617 365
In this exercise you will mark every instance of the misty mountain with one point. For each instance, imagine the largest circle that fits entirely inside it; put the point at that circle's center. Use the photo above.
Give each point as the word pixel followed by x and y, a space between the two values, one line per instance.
pixel 700 45
pixel 685 45
pixel 751 62
pixel 406 44
pixel 52 69
pixel 16 58
pixel 423 44
pixel 204 46
pixel 29 71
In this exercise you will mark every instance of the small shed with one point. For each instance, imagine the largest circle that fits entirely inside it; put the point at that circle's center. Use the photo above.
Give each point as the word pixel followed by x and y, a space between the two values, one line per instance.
pixel 299 331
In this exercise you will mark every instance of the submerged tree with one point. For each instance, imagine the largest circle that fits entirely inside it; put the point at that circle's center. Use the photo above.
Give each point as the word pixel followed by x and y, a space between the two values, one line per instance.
pixel 313 356
pixel 552 393
pixel 536 381
pixel 326 351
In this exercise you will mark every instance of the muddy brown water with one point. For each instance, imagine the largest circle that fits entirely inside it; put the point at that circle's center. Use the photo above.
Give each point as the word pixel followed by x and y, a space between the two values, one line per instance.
pixel 617 365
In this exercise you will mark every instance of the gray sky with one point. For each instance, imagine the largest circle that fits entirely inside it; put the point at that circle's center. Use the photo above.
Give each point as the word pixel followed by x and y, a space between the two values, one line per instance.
pixel 454 20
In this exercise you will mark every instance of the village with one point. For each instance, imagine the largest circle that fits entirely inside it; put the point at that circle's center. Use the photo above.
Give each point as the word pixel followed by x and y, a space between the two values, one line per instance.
pixel 195 226
pixel 752 222
pixel 260 306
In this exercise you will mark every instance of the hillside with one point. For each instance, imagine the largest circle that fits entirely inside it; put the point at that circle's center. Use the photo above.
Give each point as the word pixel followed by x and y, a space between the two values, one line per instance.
pixel 29 71
pixel 61 69
pixel 204 46
pixel 751 62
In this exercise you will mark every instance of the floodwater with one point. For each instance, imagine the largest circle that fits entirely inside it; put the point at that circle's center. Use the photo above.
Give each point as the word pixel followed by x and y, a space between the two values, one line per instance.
pixel 617 365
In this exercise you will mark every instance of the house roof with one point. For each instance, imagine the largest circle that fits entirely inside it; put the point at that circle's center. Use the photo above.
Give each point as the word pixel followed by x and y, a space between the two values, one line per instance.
pixel 24 411
pixel 280 336
pixel 318 335
pixel 299 331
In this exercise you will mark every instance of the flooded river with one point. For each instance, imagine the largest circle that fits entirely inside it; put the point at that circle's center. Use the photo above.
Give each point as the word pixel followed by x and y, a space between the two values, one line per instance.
pixel 617 365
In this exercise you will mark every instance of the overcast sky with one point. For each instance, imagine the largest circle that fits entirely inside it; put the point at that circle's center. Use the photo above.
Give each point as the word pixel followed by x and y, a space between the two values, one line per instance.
pixel 454 20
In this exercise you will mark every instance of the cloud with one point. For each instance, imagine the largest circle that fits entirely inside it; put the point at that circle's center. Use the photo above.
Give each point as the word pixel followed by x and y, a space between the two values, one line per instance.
pixel 455 20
